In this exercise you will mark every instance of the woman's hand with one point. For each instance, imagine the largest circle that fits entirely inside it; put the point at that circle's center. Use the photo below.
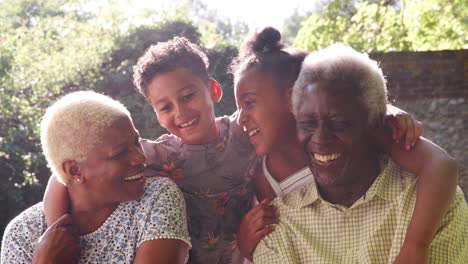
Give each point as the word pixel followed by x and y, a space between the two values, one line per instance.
pixel 59 243
pixel 403 126
pixel 256 224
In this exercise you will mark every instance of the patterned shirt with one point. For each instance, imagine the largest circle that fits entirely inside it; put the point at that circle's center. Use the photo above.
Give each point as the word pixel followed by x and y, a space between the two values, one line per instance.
pixel 372 230
pixel 158 214
pixel 216 180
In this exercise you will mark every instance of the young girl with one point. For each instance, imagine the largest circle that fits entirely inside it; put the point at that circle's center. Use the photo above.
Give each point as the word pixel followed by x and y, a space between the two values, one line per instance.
pixel 265 72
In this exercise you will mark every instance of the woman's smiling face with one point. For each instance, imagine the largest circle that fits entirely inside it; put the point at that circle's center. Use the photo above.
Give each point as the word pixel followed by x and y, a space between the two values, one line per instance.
pixel 113 170
pixel 331 125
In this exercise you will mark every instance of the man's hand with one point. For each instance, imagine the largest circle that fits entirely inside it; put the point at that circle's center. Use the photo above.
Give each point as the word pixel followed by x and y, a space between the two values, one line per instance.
pixel 59 244
pixel 256 224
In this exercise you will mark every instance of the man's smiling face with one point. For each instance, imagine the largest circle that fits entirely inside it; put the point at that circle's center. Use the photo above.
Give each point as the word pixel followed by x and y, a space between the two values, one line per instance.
pixel 331 125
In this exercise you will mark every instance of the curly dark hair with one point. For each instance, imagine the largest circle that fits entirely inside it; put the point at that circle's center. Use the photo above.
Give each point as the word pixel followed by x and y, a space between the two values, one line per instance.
pixel 168 56
pixel 264 51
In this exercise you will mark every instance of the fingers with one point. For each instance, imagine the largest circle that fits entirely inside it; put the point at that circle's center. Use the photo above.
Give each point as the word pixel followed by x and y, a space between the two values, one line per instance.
pixel 261 209
pixel 396 124
pixel 390 120
pixel 405 127
pixel 409 139
pixel 64 220
pixel 419 129
pixel 65 226
pixel 260 213
pixel 265 231
pixel 259 217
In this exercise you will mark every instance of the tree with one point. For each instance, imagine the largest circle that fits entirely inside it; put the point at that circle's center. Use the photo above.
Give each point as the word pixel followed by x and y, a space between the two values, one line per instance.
pixel 292 25
pixel 387 25
pixel 44 53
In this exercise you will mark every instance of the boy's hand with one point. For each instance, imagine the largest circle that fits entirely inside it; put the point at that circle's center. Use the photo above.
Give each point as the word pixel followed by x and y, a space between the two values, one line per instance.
pixel 59 243
pixel 255 225
pixel 403 126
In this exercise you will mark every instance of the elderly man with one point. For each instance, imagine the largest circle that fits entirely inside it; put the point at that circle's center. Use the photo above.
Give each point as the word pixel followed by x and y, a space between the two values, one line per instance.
pixel 360 204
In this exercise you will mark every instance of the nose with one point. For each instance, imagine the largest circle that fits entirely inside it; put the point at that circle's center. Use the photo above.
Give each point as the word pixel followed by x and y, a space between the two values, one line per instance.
pixel 322 135
pixel 180 111
pixel 241 117
pixel 137 156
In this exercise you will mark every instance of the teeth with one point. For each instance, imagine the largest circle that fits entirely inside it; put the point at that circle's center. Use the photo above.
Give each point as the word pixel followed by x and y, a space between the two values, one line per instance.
pixel 326 158
pixel 134 177
pixel 188 123
pixel 253 132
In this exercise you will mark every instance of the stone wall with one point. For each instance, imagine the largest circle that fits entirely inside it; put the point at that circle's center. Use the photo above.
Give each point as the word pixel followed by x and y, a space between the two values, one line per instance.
pixel 433 87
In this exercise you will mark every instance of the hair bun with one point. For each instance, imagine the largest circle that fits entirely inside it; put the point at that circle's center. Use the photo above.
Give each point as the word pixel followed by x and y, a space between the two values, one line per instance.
pixel 266 40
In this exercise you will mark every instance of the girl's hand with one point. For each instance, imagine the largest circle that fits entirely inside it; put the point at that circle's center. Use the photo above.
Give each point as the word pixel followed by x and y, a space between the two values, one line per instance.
pixel 412 254
pixel 404 126
pixel 256 224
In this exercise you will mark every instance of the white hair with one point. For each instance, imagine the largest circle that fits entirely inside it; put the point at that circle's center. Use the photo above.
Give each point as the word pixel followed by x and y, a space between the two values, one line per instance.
pixel 341 63
pixel 73 125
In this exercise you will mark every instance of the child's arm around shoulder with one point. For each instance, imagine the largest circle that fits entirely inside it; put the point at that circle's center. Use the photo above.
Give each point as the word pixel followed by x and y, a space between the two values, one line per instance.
pixel 56 200
pixel 438 175
pixel 437 181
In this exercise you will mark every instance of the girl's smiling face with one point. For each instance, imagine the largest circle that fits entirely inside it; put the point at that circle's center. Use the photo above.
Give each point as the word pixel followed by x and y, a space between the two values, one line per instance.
pixel 264 111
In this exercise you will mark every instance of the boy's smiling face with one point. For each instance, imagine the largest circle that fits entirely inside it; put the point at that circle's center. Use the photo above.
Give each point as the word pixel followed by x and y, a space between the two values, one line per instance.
pixel 183 103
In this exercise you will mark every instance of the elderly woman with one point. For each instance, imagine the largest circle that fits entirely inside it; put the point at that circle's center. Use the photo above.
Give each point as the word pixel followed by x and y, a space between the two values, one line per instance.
pixel 116 215
pixel 360 203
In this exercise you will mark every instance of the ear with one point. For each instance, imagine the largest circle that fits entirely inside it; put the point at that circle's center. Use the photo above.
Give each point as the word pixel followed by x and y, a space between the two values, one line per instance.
pixel 72 170
pixel 216 91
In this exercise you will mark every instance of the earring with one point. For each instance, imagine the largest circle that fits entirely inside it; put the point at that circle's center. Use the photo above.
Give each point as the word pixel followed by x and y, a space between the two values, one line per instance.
pixel 78 180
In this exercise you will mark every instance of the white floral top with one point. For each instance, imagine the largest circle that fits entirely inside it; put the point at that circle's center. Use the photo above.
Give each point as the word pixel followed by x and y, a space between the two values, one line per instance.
pixel 158 214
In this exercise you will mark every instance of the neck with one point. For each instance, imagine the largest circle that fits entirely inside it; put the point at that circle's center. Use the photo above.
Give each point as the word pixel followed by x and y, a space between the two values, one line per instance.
pixel 213 135
pixel 360 177
pixel 286 159
pixel 89 215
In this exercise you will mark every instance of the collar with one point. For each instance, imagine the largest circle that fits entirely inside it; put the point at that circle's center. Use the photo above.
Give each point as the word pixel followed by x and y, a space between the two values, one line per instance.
pixel 388 186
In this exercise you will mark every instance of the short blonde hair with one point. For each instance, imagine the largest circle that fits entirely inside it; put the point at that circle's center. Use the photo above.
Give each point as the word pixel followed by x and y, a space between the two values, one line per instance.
pixel 73 125
pixel 341 63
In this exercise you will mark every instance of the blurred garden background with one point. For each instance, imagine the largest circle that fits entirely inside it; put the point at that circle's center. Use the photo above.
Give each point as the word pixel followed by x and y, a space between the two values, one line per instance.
pixel 51 47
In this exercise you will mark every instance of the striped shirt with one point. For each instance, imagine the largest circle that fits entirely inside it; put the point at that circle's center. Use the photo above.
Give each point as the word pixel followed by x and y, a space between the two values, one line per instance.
pixel 372 230
pixel 293 181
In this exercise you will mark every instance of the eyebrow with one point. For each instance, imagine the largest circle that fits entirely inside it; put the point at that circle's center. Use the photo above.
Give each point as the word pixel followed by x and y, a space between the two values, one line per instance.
pixel 119 145
pixel 188 86
pixel 247 94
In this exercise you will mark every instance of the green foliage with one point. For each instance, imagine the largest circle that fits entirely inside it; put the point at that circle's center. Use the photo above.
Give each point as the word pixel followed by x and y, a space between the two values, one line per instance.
pixel 386 26
pixel 292 25
pixel 43 54
pixel 220 57
pixel 46 52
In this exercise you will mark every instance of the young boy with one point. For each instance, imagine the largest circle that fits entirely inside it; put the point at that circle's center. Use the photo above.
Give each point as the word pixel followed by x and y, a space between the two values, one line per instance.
pixel 207 157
